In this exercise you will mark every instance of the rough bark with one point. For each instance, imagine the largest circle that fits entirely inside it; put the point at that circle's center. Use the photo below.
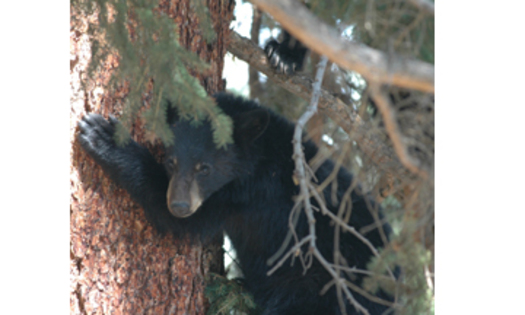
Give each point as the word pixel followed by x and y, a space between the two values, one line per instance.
pixel 118 263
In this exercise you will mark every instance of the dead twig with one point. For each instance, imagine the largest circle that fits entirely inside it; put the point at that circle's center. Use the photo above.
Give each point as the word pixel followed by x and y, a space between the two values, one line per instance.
pixel 298 154
pixel 386 109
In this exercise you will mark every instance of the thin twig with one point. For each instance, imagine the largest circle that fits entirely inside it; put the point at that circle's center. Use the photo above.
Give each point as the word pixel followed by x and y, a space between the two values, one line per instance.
pixel 306 191
pixel 385 108
pixel 339 281
pixel 292 250
pixel 298 154
pixel 292 223
pixel 305 187
pixel 348 228
pixel 364 272
pixel 370 296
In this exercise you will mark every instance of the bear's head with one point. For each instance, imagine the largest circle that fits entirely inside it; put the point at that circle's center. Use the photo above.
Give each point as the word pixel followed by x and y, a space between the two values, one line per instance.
pixel 197 168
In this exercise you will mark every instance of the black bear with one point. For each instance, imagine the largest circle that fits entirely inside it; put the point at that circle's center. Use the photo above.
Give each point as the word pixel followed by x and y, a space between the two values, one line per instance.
pixel 245 190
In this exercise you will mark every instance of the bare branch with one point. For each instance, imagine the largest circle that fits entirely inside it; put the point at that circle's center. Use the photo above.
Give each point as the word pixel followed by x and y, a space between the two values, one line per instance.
pixel 373 146
pixel 298 154
pixel 301 174
pixel 305 187
pixel 305 190
pixel 339 222
pixel 253 75
pixel 369 296
pixel 364 272
pixel 304 196
pixel 385 108
pixel 293 218
pixel 339 282
pixel 292 250
pixel 374 65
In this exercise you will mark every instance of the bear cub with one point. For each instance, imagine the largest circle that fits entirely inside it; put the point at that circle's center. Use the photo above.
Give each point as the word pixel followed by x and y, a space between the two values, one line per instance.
pixel 245 190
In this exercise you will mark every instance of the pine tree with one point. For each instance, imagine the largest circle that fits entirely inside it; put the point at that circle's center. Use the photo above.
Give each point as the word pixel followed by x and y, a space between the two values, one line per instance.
pixel 127 56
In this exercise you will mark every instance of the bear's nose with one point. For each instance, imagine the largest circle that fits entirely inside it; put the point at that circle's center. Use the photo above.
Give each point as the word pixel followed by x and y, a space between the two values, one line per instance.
pixel 180 208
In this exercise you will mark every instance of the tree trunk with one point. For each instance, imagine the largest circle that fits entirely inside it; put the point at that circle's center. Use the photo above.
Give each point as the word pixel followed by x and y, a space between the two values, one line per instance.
pixel 118 263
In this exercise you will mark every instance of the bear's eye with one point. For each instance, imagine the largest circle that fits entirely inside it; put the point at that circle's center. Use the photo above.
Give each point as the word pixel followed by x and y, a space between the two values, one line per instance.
pixel 203 169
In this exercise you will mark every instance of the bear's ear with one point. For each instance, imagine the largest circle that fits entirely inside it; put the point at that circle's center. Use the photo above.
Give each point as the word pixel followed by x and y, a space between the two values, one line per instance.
pixel 172 115
pixel 251 125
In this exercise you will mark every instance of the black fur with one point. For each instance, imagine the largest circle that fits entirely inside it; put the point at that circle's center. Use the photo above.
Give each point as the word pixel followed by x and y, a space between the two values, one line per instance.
pixel 248 194
pixel 287 56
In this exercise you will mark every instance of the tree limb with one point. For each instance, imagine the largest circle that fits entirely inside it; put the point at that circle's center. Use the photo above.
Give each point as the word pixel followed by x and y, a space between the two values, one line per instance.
pixel 373 146
pixel 304 183
pixel 386 109
pixel 298 154
pixel 372 64
pixel 253 74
